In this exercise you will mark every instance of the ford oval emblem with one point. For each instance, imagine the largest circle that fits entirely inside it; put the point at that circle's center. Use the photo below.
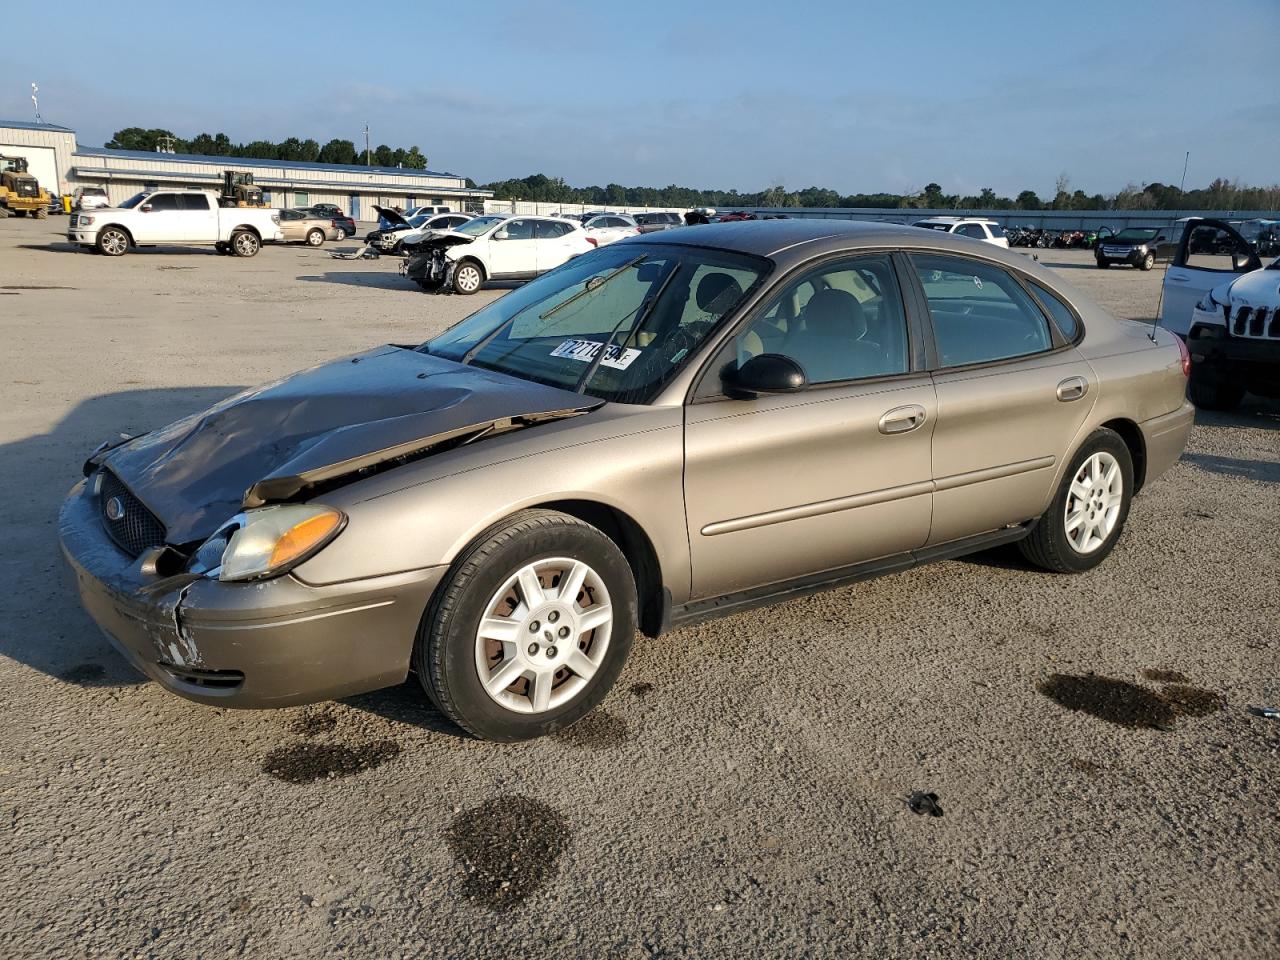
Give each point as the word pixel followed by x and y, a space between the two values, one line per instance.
pixel 115 509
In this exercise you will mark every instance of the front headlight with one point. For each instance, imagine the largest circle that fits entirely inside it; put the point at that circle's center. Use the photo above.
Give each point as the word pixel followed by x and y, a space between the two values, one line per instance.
pixel 1207 304
pixel 267 541
pixel 84 221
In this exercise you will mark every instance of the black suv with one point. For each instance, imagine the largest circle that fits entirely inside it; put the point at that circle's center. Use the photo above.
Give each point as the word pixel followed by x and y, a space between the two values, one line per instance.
pixel 1135 246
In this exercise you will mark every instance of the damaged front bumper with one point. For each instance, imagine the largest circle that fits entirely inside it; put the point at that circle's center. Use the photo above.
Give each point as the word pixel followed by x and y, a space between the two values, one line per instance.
pixel 272 643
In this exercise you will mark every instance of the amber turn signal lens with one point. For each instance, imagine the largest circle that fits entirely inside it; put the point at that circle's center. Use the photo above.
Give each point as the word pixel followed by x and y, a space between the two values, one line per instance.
pixel 302 537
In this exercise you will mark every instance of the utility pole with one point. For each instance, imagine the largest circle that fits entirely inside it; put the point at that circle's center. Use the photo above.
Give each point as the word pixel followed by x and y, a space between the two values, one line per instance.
pixel 1183 186
pixel 35 102
pixel 368 162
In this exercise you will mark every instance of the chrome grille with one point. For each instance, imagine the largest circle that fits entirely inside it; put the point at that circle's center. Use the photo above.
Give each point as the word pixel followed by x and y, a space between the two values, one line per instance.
pixel 1256 323
pixel 75 219
pixel 1110 251
pixel 136 528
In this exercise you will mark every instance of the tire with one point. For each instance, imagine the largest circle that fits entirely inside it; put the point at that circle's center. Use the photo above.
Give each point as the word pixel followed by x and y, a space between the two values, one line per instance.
pixel 1103 264
pixel 315 238
pixel 222 248
pixel 1050 545
pixel 1147 262
pixel 488 578
pixel 245 243
pixel 342 235
pixel 40 214
pixel 430 286
pixel 468 277
pixel 112 242
pixel 1213 394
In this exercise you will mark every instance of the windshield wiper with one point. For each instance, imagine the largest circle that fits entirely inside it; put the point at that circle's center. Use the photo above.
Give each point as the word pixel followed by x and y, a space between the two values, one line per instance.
pixel 647 305
pixel 589 289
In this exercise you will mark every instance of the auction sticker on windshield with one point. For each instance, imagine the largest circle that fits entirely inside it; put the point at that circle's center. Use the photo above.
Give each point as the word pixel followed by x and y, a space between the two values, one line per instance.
pixel 585 350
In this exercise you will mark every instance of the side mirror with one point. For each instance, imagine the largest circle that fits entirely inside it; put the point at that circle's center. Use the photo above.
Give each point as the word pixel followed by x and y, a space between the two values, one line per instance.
pixel 145 208
pixel 1242 261
pixel 767 373
pixel 501 235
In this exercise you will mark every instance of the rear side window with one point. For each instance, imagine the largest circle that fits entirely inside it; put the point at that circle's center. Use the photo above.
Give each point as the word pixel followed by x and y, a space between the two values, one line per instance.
pixel 1061 313
pixel 195 201
pixel 972 230
pixel 995 230
pixel 548 230
pixel 980 313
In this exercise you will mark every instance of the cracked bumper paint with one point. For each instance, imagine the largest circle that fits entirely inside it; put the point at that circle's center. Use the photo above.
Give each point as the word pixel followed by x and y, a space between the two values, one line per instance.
pixel 272 643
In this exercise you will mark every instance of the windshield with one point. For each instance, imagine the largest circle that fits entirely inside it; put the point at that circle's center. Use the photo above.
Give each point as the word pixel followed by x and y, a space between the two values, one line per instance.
pixel 419 220
pixel 1136 235
pixel 136 199
pixel 473 228
pixel 616 323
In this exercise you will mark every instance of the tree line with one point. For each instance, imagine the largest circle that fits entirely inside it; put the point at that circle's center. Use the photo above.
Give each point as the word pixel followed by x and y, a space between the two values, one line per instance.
pixel 1221 194
pixel 309 151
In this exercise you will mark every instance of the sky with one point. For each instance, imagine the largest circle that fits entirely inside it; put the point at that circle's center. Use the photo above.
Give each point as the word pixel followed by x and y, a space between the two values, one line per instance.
pixel 858 97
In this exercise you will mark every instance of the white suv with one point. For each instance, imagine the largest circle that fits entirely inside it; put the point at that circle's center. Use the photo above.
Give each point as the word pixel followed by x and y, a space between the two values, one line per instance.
pixel 988 231
pixel 495 248
pixel 608 227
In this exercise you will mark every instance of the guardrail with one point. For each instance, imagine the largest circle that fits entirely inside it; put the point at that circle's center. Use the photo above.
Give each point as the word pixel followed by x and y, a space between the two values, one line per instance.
pixel 1037 219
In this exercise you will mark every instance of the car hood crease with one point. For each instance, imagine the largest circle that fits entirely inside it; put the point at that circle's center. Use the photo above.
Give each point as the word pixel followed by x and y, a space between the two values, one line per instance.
pixel 319 426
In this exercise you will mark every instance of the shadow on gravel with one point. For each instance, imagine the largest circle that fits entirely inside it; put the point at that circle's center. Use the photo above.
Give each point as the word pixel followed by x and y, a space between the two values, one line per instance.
pixel 379 279
pixel 406 704
pixel 42 624
pixel 1256 412
pixel 1128 704
pixel 596 731
pixel 308 762
pixel 1265 471
pixel 508 848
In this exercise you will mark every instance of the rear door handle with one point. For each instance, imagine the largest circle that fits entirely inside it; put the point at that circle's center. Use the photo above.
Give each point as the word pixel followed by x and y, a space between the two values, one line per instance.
pixel 1072 388
pixel 902 419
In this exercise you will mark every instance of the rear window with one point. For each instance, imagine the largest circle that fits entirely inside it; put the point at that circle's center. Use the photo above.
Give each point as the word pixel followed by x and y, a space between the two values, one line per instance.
pixel 932 226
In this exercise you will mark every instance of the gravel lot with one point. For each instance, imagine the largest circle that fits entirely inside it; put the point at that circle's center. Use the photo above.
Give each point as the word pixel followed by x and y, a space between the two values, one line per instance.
pixel 743 791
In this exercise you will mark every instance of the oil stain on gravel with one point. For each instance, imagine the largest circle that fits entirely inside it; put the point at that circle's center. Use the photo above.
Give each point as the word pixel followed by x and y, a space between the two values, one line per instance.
pixel 83 673
pixel 507 847
pixel 308 762
pixel 641 690
pixel 1164 676
pixel 313 723
pixel 595 731
pixel 1128 704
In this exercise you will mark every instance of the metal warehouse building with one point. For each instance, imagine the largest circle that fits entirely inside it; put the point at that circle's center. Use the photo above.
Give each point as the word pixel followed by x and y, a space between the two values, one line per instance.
pixel 61 165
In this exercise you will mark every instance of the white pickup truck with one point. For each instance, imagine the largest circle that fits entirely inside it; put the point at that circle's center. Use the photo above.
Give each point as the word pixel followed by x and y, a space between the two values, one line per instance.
pixel 174 217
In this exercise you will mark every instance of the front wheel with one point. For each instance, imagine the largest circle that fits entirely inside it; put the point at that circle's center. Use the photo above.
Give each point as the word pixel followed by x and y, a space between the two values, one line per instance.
pixel 1209 393
pixel 530 628
pixel 113 242
pixel 245 243
pixel 467 278
pixel 1083 523
pixel 1103 264
pixel 1148 262
pixel 430 286
pixel 315 238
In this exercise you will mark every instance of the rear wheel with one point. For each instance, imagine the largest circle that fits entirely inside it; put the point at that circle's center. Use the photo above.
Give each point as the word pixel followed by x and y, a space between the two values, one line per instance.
pixel 315 238
pixel 1083 523
pixel 245 243
pixel 530 628
pixel 113 242
pixel 342 234
pixel 467 277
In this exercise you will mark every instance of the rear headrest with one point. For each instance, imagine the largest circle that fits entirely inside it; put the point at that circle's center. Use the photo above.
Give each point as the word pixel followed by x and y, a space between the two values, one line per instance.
pixel 835 313
pixel 717 292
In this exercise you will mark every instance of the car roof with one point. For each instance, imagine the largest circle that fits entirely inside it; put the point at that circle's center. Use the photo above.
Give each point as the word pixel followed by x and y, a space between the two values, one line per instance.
pixel 792 241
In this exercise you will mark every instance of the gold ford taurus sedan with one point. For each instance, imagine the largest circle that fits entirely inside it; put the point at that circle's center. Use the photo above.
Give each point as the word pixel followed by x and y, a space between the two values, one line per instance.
pixel 304 226
pixel 680 425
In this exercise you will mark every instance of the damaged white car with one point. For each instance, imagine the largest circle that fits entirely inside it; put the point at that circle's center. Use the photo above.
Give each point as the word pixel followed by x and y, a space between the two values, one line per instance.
pixel 494 248
pixel 1226 305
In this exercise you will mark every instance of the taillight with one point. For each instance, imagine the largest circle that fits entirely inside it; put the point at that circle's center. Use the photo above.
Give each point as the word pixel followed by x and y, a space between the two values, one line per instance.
pixel 593 241
pixel 1186 355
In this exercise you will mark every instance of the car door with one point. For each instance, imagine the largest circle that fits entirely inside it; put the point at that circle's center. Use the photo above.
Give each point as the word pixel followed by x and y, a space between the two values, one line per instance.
pixel 1012 391
pixel 791 485
pixel 513 250
pixel 199 219
pixel 291 225
pixel 1210 253
pixel 160 220
pixel 554 246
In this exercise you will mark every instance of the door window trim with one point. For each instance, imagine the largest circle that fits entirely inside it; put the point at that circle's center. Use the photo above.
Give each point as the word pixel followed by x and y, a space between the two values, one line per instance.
pixel 918 347
pixel 1184 248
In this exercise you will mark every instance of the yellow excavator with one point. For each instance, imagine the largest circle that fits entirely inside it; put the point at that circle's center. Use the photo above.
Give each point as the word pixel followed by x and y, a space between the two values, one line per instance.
pixel 20 192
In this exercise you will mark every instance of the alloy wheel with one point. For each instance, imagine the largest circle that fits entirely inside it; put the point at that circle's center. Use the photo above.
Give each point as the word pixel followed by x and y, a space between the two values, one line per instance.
pixel 467 279
pixel 544 635
pixel 1094 502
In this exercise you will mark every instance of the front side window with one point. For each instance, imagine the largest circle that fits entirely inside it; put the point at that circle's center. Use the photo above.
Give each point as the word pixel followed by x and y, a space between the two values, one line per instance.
pixel 164 202
pixel 1212 248
pixel 980 313
pixel 842 322
pixel 617 323
pixel 520 230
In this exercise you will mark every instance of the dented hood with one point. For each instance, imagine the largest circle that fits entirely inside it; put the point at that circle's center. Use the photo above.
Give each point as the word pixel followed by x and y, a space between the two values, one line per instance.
pixel 333 422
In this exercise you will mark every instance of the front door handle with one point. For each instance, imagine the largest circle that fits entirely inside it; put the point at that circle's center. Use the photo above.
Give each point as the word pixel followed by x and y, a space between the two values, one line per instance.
pixel 902 419
pixel 1072 388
